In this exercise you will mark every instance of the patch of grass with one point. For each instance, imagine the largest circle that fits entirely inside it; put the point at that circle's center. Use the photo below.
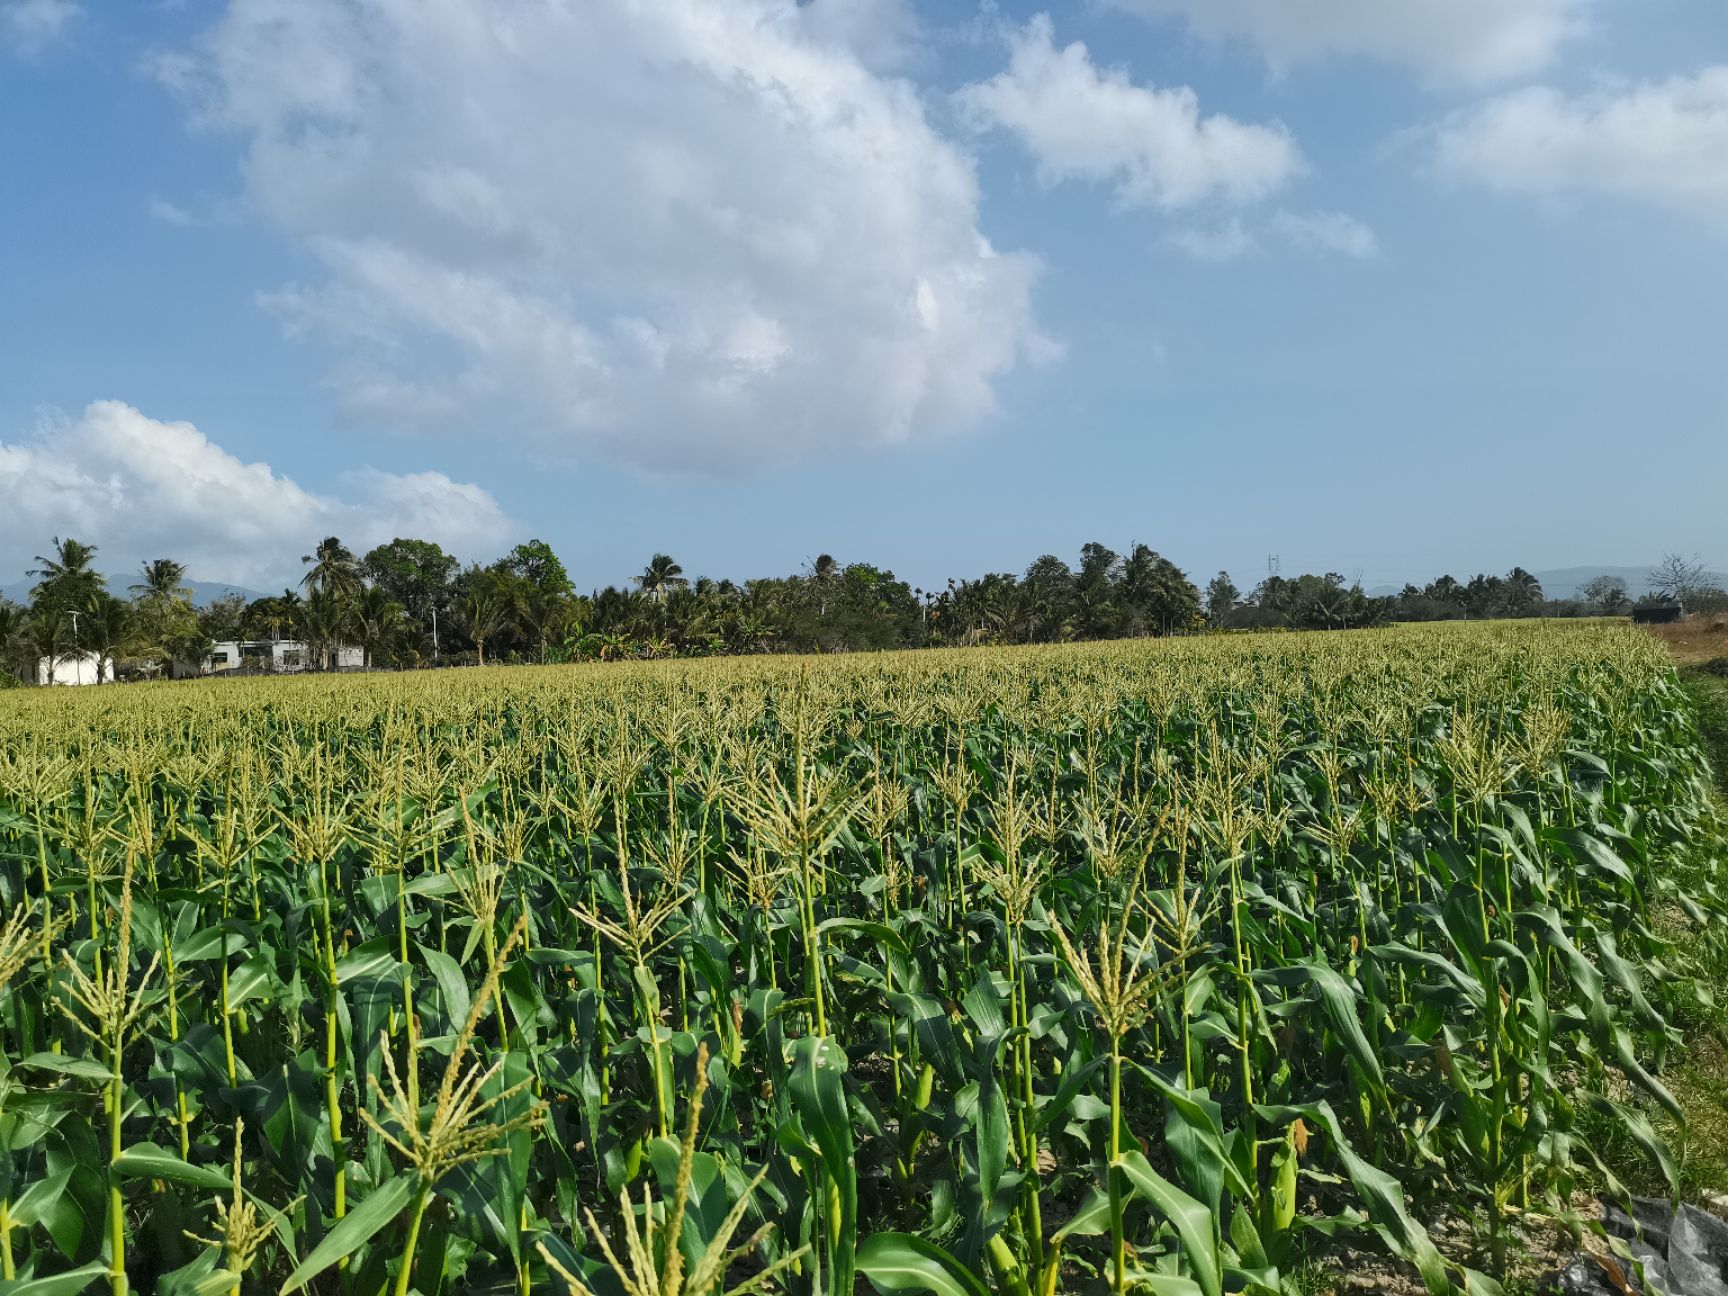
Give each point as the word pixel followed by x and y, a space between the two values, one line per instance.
pixel 1697 1073
pixel 1699 1080
pixel 1708 689
pixel 1696 640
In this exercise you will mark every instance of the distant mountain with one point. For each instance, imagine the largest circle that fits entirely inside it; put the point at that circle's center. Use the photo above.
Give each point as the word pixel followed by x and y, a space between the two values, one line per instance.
pixel 204 593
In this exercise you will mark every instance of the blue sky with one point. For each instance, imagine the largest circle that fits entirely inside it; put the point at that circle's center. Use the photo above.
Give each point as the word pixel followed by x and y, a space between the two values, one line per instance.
pixel 1380 289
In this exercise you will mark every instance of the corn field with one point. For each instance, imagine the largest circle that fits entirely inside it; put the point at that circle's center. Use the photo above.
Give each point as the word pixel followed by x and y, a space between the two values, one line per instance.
pixel 1163 966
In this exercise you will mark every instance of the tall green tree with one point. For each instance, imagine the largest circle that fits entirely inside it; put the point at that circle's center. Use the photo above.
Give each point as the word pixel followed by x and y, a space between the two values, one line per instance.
pixel 165 625
pixel 67 577
pixel 660 577
pixel 274 617
pixel 1095 589
pixel 163 579
pixel 485 609
pixel 1046 600
pixel 1222 596
pixel 535 563
pixel 326 618
pixel 224 620
pixel 418 574
pixel 14 652
pixel 331 568
pixel 1606 594
pixel 104 628
pixel 47 635
pixel 377 621
pixel 1520 592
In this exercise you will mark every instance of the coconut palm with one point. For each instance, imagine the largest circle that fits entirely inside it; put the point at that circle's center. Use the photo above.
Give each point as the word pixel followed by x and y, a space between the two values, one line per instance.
pixel 545 616
pixel 485 612
pixel 12 618
pixel 45 631
pixel 326 617
pixel 106 623
pixel 68 578
pixel 825 574
pixel 662 575
pixel 1521 591
pixel 162 580
pixel 377 620
pixel 277 614
pixel 332 569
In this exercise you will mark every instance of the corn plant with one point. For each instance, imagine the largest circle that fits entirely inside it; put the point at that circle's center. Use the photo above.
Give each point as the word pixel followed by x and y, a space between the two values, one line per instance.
pixel 1172 965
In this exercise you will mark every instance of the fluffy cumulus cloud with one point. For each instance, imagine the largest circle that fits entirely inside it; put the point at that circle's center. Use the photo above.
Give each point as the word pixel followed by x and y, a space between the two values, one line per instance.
pixel 1663 143
pixel 1083 122
pixel 1443 40
pixel 686 234
pixel 140 488
pixel 29 26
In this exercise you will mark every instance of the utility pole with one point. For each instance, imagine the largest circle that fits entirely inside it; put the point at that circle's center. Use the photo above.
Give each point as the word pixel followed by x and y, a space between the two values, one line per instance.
pixel 434 634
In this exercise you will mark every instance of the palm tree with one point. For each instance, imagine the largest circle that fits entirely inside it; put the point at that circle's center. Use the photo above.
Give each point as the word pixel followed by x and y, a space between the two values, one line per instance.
pixel 545 615
pixel 107 621
pixel 45 632
pixel 326 618
pixel 377 620
pixel 162 577
pixel 333 569
pixel 279 614
pixel 485 612
pixel 13 646
pixel 662 574
pixel 824 575
pixel 1521 591
pixel 68 578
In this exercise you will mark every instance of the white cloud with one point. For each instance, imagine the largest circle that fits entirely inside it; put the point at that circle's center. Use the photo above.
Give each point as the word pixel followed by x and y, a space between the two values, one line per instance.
pixel 1319 231
pixel 170 213
pixel 1663 143
pixel 141 488
pixel 1226 242
pixel 30 26
pixel 1443 40
pixel 1326 231
pixel 883 34
pixel 1081 122
pixel 686 234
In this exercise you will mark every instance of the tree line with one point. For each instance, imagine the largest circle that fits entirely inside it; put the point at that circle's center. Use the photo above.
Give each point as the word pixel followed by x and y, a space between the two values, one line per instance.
pixel 408 603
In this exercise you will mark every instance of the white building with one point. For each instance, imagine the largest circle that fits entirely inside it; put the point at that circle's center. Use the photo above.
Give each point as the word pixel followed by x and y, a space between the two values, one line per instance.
pixel 277 656
pixel 75 668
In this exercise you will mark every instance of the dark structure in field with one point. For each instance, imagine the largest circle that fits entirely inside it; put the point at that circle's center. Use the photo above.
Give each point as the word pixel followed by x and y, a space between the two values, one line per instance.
pixel 1657 613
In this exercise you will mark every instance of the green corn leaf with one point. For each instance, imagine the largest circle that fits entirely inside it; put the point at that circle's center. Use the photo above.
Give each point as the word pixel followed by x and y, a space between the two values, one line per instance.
pixel 452 985
pixel 1337 1000
pixel 42 1198
pixel 881 933
pixel 363 1222
pixel 146 1161
pixel 1382 1196
pixel 903 1262
pixel 819 1096
pixel 77 1067
pixel 1162 1284
pixel 1193 1222
pixel 1090 1220
pixel 69 1283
